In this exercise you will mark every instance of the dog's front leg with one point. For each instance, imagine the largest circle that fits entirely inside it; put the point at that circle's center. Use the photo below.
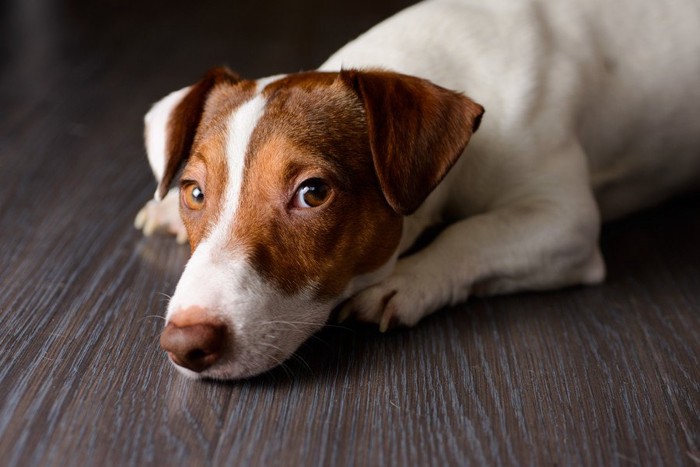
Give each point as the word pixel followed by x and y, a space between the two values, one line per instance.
pixel 533 245
pixel 162 216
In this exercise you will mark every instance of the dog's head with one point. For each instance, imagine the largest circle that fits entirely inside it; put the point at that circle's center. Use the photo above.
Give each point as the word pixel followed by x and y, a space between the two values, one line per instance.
pixel 293 191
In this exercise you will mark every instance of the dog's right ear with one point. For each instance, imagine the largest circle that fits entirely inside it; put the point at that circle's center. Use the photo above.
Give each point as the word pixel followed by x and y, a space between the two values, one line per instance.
pixel 171 125
pixel 417 130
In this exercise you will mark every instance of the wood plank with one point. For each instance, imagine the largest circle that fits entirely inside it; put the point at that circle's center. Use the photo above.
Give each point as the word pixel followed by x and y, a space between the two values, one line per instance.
pixel 586 376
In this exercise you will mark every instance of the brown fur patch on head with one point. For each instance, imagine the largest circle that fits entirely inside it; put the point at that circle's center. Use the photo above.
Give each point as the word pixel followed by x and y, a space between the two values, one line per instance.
pixel 207 166
pixel 417 131
pixel 313 127
pixel 380 141
pixel 184 120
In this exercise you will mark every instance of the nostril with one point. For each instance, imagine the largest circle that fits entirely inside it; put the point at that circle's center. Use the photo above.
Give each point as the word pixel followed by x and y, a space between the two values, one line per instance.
pixel 197 346
pixel 197 354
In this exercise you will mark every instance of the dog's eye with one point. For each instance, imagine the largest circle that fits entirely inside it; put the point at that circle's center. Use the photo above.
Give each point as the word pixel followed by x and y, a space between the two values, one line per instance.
pixel 192 196
pixel 312 193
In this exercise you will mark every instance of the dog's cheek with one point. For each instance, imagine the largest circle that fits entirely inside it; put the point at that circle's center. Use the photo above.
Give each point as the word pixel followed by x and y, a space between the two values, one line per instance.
pixel 200 224
pixel 380 230
pixel 192 226
pixel 363 238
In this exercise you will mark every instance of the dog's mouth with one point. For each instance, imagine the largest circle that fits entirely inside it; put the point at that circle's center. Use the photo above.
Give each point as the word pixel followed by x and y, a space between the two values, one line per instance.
pixel 216 349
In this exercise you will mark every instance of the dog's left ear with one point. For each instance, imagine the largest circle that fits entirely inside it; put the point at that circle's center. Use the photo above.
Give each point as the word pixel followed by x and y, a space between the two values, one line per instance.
pixel 172 123
pixel 417 131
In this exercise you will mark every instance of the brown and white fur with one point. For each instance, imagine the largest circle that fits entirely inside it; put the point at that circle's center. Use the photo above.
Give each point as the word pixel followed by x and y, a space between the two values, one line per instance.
pixel 301 192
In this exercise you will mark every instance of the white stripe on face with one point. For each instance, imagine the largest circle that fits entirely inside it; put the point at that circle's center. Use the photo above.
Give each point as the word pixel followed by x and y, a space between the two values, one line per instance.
pixel 263 82
pixel 240 128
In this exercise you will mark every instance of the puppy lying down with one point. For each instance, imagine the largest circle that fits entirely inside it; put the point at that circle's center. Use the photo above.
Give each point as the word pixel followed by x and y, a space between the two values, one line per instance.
pixel 299 193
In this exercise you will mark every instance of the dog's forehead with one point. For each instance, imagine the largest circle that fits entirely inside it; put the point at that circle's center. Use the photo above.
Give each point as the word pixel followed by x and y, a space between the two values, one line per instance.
pixel 311 106
pixel 282 131
pixel 239 119
pixel 314 111
pixel 311 97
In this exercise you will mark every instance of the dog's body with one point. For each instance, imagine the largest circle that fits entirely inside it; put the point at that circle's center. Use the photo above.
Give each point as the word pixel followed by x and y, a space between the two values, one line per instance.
pixel 316 183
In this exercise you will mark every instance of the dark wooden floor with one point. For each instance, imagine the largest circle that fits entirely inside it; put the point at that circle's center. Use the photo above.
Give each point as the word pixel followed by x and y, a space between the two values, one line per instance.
pixel 588 376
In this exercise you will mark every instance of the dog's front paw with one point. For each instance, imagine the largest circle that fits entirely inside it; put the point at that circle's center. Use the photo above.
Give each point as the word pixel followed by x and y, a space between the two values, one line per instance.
pixel 400 300
pixel 162 216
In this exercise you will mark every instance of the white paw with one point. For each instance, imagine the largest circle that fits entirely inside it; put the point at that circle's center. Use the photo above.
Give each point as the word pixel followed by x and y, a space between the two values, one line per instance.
pixel 163 216
pixel 400 300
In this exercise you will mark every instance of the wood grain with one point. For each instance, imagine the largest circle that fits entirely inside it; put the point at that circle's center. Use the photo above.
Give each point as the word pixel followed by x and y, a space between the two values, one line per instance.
pixel 607 375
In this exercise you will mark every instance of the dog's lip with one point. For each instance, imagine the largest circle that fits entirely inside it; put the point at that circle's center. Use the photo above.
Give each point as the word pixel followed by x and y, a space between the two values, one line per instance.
pixel 191 372
pixel 174 359
pixel 236 365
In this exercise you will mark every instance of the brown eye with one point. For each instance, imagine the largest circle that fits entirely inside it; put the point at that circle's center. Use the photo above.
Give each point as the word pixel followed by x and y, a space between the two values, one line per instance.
pixel 312 193
pixel 192 196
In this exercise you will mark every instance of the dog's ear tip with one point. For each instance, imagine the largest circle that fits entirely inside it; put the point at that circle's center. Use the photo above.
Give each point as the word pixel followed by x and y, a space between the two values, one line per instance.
pixel 404 209
pixel 223 72
pixel 158 195
pixel 479 111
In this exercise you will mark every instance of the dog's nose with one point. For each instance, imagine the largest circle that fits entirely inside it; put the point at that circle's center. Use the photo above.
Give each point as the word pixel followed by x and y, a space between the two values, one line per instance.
pixel 194 346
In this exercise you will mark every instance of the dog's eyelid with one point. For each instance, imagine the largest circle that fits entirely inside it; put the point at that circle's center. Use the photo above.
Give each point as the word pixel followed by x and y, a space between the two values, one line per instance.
pixel 307 190
pixel 186 182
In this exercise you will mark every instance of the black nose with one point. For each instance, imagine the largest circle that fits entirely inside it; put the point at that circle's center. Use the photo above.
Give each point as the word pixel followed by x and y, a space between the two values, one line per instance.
pixel 196 346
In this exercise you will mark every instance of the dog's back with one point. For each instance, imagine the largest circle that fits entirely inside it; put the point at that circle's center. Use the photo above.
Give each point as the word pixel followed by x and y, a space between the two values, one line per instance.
pixel 621 76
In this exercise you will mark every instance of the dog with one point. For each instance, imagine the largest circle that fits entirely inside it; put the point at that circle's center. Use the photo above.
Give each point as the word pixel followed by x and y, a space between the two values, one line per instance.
pixel 301 193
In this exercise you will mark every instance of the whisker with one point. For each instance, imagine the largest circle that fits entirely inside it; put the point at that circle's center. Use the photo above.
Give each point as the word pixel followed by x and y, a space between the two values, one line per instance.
pixel 279 362
pixel 307 323
pixel 301 359
pixel 294 356
pixel 337 326
pixel 165 298
pixel 151 316
pixel 287 371
pixel 273 346
pixel 290 323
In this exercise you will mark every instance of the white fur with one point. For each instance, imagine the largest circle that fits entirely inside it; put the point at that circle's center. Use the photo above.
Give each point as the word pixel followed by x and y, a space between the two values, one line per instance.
pixel 263 82
pixel 156 123
pixel 240 128
pixel 617 79
pixel 268 326
pixel 592 112
pixel 220 281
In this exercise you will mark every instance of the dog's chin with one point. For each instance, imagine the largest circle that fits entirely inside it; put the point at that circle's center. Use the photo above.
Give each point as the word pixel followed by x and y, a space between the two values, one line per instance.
pixel 231 371
pixel 225 373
